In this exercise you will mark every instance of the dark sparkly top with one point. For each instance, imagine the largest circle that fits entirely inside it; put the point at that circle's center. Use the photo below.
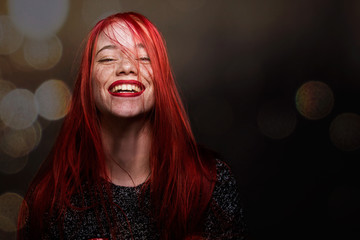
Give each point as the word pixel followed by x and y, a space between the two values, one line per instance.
pixel 224 215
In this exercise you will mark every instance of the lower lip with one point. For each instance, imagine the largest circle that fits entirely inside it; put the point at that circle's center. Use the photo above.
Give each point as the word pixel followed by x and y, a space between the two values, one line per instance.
pixel 127 94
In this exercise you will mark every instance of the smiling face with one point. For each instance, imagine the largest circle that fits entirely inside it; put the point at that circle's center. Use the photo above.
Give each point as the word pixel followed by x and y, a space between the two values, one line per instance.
pixel 122 76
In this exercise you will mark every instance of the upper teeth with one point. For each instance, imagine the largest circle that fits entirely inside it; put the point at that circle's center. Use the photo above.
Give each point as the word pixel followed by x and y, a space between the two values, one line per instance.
pixel 126 87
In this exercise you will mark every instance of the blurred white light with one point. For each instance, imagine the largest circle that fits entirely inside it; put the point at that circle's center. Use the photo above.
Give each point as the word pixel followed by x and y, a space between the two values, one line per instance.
pixel 10 204
pixel 53 98
pixel 18 143
pixel 38 19
pixel 345 131
pixel 43 54
pixel 10 38
pixel 18 109
pixel 93 10
pixel 5 88
pixel 17 60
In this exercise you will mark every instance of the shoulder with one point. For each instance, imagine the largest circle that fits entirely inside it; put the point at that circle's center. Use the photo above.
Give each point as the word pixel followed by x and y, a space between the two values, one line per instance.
pixel 225 213
pixel 226 193
pixel 224 173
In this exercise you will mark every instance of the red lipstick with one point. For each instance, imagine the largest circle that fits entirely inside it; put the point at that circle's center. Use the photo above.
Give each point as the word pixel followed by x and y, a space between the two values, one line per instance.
pixel 126 88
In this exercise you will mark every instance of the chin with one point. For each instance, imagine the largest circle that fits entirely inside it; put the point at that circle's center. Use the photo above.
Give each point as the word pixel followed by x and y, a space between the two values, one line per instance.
pixel 131 113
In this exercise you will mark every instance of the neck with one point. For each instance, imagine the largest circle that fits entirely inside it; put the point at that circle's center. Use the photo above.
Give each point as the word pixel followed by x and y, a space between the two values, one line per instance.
pixel 126 144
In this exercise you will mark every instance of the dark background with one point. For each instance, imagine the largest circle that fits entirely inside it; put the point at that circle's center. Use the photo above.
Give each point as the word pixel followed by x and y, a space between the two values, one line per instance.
pixel 239 65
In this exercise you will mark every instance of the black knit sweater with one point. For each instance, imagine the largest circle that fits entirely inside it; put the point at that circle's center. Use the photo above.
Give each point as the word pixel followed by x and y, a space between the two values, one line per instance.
pixel 223 220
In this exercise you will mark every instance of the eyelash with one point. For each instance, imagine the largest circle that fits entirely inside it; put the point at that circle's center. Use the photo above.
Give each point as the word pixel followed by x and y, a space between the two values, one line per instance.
pixel 144 59
pixel 111 59
pixel 106 60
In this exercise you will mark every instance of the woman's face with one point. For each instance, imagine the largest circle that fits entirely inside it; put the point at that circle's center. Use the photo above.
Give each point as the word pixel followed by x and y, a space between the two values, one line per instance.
pixel 122 77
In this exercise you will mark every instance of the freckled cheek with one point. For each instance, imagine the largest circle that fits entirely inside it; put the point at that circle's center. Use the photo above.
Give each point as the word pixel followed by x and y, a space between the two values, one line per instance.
pixel 100 77
pixel 147 74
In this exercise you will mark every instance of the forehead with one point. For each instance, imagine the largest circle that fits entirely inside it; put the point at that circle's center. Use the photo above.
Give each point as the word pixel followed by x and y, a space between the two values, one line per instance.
pixel 118 33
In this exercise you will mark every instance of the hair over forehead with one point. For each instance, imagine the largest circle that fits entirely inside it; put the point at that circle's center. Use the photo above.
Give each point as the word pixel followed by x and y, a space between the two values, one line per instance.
pixel 124 26
pixel 181 184
pixel 122 33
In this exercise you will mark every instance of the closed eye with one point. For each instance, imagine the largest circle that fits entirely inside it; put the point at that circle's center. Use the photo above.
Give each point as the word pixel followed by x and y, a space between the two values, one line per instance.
pixel 145 59
pixel 106 60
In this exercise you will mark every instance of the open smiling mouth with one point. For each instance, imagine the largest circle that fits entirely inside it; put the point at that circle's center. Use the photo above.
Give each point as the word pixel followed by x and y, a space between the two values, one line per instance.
pixel 126 88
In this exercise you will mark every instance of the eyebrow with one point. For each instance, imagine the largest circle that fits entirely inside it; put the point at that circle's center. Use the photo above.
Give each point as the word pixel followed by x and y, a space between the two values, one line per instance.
pixel 139 45
pixel 106 47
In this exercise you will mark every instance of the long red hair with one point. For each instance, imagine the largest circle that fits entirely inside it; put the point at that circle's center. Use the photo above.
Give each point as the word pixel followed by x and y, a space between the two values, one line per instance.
pixel 182 179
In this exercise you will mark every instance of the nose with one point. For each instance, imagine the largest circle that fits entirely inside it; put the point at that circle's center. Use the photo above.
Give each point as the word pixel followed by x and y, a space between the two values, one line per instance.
pixel 126 66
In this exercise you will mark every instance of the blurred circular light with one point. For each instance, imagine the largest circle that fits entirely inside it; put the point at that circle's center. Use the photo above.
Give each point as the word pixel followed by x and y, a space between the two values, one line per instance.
pixel 314 100
pixel 10 165
pixel 38 133
pixel 5 88
pixel 18 109
pixel 187 5
pixel 10 38
pixel 345 131
pixel 38 19
pixel 43 54
pixel 10 204
pixel 53 98
pixel 18 143
pixel 214 124
pixel 275 120
pixel 18 60
pixel 93 10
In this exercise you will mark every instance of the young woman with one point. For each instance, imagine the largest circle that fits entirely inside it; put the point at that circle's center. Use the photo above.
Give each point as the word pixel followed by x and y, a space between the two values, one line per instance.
pixel 125 164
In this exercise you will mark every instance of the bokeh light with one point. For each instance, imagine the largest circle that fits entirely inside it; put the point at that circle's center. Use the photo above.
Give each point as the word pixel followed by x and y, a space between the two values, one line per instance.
pixel 187 5
pixel 93 10
pixel 43 54
pixel 20 142
pixel 38 133
pixel 10 204
pixel 5 88
pixel 213 116
pixel 314 100
pixel 10 165
pixel 18 109
pixel 345 131
pixel 18 60
pixel 276 120
pixel 38 19
pixel 10 38
pixel 53 98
